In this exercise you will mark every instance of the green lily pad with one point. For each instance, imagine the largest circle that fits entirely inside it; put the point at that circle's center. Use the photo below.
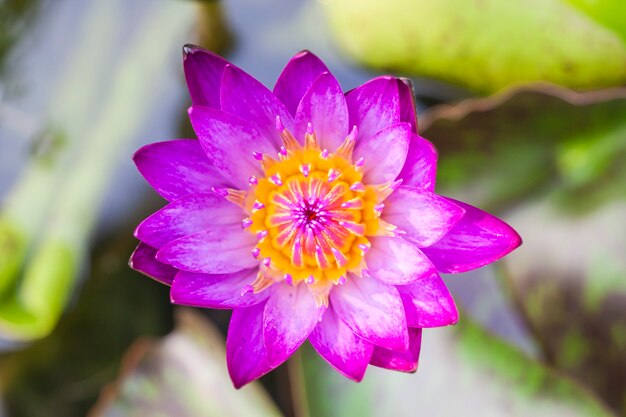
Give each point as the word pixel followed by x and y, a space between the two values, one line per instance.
pixel 463 371
pixel 557 161
pixel 487 45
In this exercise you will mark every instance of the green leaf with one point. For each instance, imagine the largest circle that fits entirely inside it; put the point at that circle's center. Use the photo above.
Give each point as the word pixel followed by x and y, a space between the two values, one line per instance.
pixel 487 45
pixel 463 371
pixel 184 374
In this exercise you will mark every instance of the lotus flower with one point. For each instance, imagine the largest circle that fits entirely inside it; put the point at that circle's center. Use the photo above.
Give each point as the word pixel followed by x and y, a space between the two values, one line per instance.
pixel 311 213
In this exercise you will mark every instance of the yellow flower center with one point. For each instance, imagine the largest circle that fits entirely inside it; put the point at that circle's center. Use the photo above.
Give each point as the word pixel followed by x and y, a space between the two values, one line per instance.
pixel 311 213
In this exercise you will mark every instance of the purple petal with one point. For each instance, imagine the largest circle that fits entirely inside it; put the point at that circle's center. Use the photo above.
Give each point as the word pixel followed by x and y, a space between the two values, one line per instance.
pixel 324 106
pixel 374 105
pixel 187 215
pixel 247 98
pixel 400 361
pixel 476 240
pixel 290 316
pixel 373 310
pixel 340 347
pixel 143 260
pixel 177 168
pixel 203 71
pixel 229 142
pixel 297 77
pixel 246 356
pixel 424 217
pixel 395 261
pixel 428 303
pixel 407 103
pixel 420 167
pixel 219 250
pixel 216 291
pixel 384 153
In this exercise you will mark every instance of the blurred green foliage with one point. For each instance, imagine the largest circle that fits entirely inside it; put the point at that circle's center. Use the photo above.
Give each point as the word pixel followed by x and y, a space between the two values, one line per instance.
pixel 61 375
pixel 47 219
pixel 469 373
pixel 557 160
pixel 184 374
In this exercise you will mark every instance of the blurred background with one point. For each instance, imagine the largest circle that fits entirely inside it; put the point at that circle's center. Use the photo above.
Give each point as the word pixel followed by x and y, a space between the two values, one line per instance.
pixel 524 99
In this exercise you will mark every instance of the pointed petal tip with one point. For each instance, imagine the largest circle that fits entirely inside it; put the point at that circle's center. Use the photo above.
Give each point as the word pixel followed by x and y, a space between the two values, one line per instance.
pixel 137 232
pixel 190 48
pixel 302 53
pixel 238 381
pixel 406 81
pixel 131 260
pixel 516 239
pixel 143 261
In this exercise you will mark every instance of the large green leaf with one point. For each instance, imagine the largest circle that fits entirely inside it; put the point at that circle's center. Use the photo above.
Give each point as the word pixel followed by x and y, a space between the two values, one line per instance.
pixel 557 160
pixel 487 45
pixel 463 371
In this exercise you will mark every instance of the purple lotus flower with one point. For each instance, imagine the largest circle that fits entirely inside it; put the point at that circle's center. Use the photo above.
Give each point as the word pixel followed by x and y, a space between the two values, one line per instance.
pixel 312 214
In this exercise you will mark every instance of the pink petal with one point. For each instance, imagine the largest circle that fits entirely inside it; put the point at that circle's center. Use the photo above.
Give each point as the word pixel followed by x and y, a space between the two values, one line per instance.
pixel 324 106
pixel 290 316
pixel 203 71
pixel 400 361
pixel 476 240
pixel 395 261
pixel 407 103
pixel 428 303
pixel 187 215
pixel 229 142
pixel 247 98
pixel 340 347
pixel 420 167
pixel 297 77
pixel 177 168
pixel 374 105
pixel 143 260
pixel 246 356
pixel 384 153
pixel 216 291
pixel 373 310
pixel 424 217
pixel 219 250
